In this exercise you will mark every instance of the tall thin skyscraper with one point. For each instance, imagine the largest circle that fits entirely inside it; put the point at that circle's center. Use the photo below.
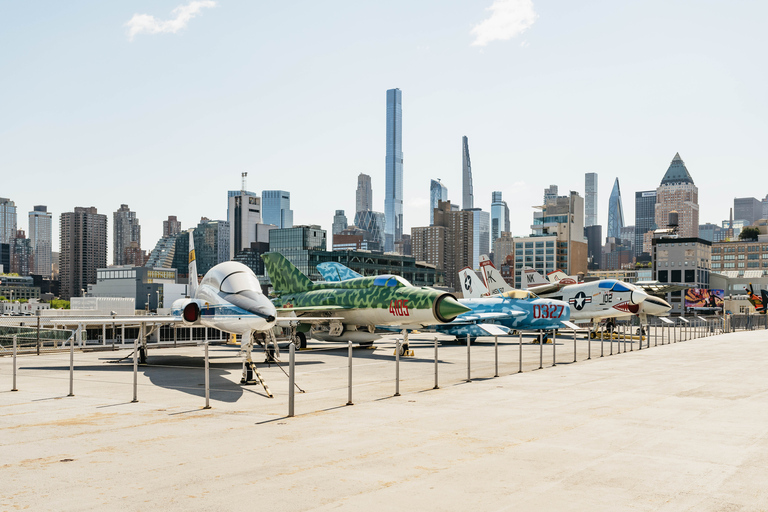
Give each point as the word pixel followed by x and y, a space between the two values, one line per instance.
pixel 7 220
pixel 393 199
pixel 437 192
pixel 615 212
pixel 499 216
pixel 126 229
pixel 364 195
pixel 40 237
pixel 590 199
pixel 83 249
pixel 468 195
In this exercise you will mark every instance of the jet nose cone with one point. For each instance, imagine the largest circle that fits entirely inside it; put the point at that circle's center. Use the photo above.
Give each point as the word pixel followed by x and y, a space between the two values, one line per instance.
pixel 638 296
pixel 449 308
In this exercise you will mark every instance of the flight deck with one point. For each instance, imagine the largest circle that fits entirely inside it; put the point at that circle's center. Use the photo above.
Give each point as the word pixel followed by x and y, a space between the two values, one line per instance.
pixel 672 427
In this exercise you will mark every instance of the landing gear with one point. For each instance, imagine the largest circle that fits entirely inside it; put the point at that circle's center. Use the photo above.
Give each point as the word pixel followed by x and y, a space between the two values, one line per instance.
pixel 300 340
pixel 610 326
pixel 251 374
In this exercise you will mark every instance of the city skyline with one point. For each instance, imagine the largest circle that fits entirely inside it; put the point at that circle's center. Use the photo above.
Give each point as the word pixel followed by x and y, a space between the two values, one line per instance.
pixel 168 111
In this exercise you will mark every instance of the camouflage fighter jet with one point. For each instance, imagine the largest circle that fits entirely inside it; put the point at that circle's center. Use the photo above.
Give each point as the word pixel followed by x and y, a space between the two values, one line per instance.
pixel 356 305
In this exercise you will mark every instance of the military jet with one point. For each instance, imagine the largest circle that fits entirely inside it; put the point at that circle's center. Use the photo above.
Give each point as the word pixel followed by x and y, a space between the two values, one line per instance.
pixel 590 302
pixel 488 316
pixel 356 305
pixel 759 302
pixel 228 298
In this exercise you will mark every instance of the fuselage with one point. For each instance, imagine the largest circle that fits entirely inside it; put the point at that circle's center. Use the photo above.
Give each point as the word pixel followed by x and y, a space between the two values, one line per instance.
pixel 522 311
pixel 369 301
pixel 601 299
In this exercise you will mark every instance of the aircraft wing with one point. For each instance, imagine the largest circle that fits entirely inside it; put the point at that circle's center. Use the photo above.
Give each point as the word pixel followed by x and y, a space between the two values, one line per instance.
pixel 546 288
pixel 659 289
pixel 477 317
pixel 306 309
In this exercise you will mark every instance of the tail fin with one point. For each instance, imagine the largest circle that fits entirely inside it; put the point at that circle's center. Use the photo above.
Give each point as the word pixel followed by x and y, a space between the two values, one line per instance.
pixel 285 277
pixel 531 278
pixel 471 286
pixel 192 287
pixel 493 280
pixel 558 276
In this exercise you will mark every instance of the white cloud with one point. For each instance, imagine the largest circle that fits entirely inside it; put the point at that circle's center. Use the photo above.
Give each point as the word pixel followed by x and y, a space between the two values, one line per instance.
pixel 509 18
pixel 146 23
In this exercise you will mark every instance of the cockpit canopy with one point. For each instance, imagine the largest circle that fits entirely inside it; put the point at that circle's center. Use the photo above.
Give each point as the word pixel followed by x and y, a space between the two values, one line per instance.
pixel 391 281
pixel 519 294
pixel 615 286
pixel 232 277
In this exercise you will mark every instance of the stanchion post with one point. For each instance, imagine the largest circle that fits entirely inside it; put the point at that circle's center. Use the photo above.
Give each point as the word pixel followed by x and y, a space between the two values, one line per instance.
pixel 349 372
pixel 72 365
pixel 520 352
pixel 469 361
pixel 291 378
pixel 496 355
pixel 436 360
pixel 136 367
pixel 397 366
pixel 541 350
pixel 602 340
pixel 554 344
pixel 574 345
pixel 207 379
pixel 38 331
pixel 14 364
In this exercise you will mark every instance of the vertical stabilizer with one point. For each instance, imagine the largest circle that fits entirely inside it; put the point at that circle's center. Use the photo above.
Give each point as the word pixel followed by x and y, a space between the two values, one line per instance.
pixel 493 279
pixel 192 286
pixel 285 277
pixel 471 286
pixel 531 278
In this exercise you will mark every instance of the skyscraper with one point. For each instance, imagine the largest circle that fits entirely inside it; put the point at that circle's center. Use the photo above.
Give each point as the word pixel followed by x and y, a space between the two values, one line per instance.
pixel 468 195
pixel 615 213
pixel 676 192
pixel 437 192
pixel 499 216
pixel 481 231
pixel 393 199
pixel 364 195
pixel 243 213
pixel 40 237
pixel 171 227
pixel 7 220
pixel 748 209
pixel 339 222
pixel 276 208
pixel 645 217
pixel 22 255
pixel 83 249
pixel 590 199
pixel 125 230
pixel 550 194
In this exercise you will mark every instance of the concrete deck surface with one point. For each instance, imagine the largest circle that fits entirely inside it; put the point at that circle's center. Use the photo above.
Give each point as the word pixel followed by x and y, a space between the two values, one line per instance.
pixel 675 427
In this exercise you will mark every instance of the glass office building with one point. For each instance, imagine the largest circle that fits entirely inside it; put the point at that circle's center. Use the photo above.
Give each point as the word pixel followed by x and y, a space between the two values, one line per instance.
pixel 499 216
pixel 437 192
pixel 615 213
pixel 276 208
pixel 645 217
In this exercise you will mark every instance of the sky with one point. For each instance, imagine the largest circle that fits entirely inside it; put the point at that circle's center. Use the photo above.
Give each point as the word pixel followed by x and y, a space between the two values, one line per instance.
pixel 162 104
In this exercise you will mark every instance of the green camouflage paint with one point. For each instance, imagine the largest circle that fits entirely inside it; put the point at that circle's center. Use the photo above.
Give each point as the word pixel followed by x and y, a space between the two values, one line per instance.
pixel 294 289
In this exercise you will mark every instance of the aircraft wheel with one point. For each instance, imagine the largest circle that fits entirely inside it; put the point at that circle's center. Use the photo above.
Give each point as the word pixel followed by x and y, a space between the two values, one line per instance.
pixel 403 349
pixel 300 340
pixel 610 327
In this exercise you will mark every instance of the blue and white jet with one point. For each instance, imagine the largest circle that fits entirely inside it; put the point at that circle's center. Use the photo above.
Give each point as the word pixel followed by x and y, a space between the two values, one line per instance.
pixel 228 298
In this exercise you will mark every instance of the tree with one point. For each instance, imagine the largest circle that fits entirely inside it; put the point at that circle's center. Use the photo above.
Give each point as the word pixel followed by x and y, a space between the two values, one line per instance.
pixel 749 233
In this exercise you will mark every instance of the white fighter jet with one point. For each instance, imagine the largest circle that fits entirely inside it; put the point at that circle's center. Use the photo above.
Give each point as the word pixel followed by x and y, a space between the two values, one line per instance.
pixel 229 298
pixel 590 302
